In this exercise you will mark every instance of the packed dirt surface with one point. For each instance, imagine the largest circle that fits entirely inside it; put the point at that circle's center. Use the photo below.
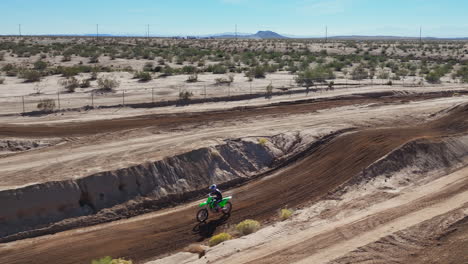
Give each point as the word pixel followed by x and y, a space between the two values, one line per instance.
pixel 325 167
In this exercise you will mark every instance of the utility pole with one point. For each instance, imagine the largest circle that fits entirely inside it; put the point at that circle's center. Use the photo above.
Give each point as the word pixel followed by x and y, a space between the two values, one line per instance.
pixel 236 31
pixel 19 30
pixel 97 32
pixel 420 35
pixel 326 34
pixel 148 31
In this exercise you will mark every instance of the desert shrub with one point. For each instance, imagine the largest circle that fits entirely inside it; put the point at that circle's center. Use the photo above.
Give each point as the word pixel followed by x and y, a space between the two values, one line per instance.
pixel 2 81
pixel 285 214
pixel 70 84
pixel 189 69
pixel 217 69
pixel 222 81
pixel 359 73
pixel 185 95
pixel 46 105
pixel 192 78
pixel 40 65
pixel 248 227
pixel 269 90
pixel 262 141
pixel 9 67
pixel 93 76
pixel 384 75
pixel 167 71
pixel 433 77
pixel 463 74
pixel 66 58
pixel 143 76
pixel 309 76
pixel 86 83
pixel 148 67
pixel 30 75
pixel 219 238
pixel 94 59
pixel 257 72
pixel 109 260
pixel 107 84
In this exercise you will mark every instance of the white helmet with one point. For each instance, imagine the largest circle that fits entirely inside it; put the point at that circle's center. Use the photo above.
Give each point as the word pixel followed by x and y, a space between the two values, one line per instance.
pixel 213 187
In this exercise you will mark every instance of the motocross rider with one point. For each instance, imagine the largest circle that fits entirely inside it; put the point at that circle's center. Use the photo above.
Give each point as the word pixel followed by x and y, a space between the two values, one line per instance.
pixel 216 194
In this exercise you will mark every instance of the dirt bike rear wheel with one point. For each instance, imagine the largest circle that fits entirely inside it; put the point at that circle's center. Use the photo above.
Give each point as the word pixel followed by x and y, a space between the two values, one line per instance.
pixel 202 215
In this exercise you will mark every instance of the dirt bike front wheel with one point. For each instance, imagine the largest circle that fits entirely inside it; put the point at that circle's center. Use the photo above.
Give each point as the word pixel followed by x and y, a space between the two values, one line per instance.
pixel 202 215
pixel 227 208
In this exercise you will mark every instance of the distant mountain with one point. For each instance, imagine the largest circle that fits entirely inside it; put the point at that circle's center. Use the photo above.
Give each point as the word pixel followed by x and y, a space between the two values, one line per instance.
pixel 268 35
pixel 258 35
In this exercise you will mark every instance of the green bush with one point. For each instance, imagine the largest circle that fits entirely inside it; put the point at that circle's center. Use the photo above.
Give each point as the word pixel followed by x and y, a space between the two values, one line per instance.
pixel 30 75
pixel 219 238
pixel 143 76
pixel 257 72
pixel 107 84
pixel 40 65
pixel 433 77
pixel 309 76
pixel 248 227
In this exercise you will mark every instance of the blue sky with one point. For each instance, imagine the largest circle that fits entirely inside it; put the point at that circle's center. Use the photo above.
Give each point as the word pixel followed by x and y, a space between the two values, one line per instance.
pixel 448 18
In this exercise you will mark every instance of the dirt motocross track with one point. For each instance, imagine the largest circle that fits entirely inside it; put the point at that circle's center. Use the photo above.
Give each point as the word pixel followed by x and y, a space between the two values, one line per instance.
pixel 306 178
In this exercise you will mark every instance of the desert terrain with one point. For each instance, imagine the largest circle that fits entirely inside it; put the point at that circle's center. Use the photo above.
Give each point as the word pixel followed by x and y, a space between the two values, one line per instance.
pixel 108 146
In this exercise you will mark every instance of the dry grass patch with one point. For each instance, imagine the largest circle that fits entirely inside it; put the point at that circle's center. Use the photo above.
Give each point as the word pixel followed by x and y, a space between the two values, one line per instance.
pixel 262 141
pixel 110 260
pixel 219 238
pixel 248 227
pixel 285 214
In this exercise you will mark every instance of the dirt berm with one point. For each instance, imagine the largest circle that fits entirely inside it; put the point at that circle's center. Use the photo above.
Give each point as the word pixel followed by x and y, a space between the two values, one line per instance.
pixel 156 184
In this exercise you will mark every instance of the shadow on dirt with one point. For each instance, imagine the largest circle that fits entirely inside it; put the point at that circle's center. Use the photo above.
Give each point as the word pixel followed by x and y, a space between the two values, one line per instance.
pixel 207 229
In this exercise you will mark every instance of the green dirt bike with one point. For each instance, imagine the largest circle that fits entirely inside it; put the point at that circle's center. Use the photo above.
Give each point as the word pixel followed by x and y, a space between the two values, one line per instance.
pixel 224 206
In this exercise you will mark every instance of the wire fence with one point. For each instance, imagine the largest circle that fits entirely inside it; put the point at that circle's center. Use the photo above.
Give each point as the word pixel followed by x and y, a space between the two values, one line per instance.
pixel 160 97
